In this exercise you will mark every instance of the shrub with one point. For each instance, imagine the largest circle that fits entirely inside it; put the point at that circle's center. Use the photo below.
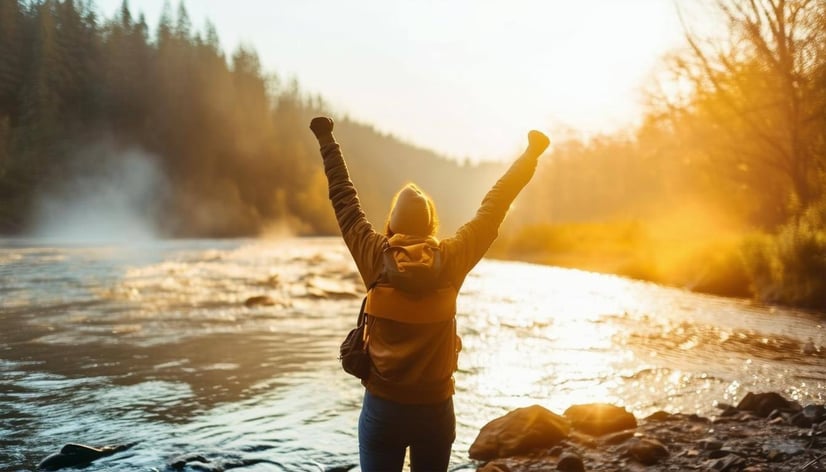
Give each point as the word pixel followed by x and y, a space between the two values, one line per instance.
pixel 790 267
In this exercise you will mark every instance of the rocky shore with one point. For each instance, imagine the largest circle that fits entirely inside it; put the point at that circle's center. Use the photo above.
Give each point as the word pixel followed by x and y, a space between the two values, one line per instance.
pixel 764 432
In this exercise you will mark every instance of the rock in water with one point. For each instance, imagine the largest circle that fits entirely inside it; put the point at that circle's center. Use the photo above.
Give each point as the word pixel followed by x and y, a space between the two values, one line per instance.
pixel 520 431
pixel 809 348
pixel 762 404
pixel 179 462
pixel 259 300
pixel 76 455
pixel 222 464
pixel 598 419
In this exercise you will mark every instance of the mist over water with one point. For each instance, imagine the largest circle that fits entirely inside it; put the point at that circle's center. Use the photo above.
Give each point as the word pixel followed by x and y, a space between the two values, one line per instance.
pixel 113 201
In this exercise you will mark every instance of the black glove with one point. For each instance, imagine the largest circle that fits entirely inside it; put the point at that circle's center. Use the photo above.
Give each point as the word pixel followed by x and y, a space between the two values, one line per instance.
pixel 321 126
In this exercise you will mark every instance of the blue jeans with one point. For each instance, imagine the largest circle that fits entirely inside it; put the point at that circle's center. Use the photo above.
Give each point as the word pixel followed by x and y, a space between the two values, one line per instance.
pixel 387 428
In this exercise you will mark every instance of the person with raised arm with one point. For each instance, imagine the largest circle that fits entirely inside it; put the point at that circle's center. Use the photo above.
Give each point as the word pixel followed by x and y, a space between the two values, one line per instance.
pixel 413 280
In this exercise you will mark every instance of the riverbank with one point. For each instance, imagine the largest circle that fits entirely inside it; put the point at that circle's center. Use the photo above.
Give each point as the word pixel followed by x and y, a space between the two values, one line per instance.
pixel 672 253
pixel 784 268
pixel 763 432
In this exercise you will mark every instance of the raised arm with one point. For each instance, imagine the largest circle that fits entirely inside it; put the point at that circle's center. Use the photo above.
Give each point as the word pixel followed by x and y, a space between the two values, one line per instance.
pixel 364 243
pixel 474 238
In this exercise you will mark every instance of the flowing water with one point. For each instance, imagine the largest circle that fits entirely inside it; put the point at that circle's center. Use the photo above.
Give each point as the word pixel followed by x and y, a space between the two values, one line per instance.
pixel 153 343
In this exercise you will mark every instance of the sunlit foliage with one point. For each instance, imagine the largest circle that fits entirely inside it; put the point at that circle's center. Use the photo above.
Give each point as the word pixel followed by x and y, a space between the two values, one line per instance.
pixel 722 177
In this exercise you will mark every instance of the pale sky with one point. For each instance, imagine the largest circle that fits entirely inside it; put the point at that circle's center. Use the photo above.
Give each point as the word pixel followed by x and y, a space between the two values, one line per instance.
pixel 462 77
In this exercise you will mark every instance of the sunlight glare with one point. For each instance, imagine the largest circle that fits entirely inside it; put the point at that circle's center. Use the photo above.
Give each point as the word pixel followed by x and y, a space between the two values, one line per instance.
pixel 566 317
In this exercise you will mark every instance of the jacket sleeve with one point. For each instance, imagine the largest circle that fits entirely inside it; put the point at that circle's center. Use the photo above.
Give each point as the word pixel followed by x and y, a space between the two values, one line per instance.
pixel 364 243
pixel 472 240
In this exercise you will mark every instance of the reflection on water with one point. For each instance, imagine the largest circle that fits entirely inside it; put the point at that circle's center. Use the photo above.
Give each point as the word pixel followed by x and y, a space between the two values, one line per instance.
pixel 154 344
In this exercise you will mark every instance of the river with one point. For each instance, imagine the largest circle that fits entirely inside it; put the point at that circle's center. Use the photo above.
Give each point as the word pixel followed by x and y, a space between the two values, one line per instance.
pixel 152 342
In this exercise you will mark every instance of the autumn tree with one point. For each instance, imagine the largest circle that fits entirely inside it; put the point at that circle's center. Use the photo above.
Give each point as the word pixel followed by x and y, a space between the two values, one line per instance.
pixel 756 105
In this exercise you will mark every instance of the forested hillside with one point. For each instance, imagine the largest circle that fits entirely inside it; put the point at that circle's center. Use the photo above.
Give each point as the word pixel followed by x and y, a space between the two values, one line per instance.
pixel 79 92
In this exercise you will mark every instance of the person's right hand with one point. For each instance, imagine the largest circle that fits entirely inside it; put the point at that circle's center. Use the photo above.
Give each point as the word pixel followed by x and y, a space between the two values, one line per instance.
pixel 321 126
pixel 537 142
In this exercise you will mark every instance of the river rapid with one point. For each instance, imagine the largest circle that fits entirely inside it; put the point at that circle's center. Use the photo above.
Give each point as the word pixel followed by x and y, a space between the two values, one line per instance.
pixel 152 343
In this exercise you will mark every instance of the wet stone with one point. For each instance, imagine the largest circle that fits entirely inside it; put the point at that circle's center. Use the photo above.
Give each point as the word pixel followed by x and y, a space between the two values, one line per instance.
pixel 783 448
pixel 816 413
pixel 570 462
pixel 617 438
pixel 494 467
pixel 718 453
pixel 801 420
pixel 728 463
pixel 762 404
pixel 809 416
pixel 684 442
pixel 518 432
pixel 259 300
pixel 710 444
pixel 598 419
pixel 647 451
pixel 775 456
pixel 659 416
pixel 695 418
pixel 730 411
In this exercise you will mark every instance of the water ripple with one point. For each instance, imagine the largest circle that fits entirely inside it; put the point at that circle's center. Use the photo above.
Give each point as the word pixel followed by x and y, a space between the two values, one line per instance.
pixel 155 344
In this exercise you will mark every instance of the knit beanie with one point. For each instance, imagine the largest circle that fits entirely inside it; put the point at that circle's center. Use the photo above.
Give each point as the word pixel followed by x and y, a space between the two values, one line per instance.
pixel 411 212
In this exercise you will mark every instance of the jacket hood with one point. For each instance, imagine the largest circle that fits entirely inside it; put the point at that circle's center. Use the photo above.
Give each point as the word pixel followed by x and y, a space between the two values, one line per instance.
pixel 412 263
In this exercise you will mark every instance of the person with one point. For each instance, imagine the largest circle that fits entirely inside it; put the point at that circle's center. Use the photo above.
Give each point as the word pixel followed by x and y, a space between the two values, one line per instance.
pixel 413 281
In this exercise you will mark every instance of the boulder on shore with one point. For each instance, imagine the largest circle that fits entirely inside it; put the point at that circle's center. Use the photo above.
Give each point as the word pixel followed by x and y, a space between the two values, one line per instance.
pixel 763 404
pixel 598 419
pixel 519 432
pixel 790 438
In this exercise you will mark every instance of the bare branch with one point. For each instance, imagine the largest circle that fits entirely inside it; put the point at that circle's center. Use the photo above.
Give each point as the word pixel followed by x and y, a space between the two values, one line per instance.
pixel 729 100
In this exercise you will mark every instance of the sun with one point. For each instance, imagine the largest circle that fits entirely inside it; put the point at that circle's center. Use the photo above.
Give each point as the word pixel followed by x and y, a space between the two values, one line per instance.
pixel 600 66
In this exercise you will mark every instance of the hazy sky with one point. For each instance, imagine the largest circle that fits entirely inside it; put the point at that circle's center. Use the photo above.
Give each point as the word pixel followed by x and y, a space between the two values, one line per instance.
pixel 466 78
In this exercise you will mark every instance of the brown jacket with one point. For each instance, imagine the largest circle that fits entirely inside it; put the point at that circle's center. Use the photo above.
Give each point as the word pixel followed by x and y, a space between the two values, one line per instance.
pixel 414 357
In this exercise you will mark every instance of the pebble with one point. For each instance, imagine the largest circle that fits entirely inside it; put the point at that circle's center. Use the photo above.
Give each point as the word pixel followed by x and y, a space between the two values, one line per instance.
pixel 647 451
pixel 570 462
pixel 710 444
pixel 259 300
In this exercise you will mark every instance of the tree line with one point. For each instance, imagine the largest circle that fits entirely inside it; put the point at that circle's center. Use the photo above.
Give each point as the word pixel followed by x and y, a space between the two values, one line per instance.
pixel 230 138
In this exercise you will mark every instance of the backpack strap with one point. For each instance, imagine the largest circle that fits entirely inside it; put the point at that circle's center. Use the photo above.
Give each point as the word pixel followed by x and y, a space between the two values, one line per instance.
pixel 362 318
